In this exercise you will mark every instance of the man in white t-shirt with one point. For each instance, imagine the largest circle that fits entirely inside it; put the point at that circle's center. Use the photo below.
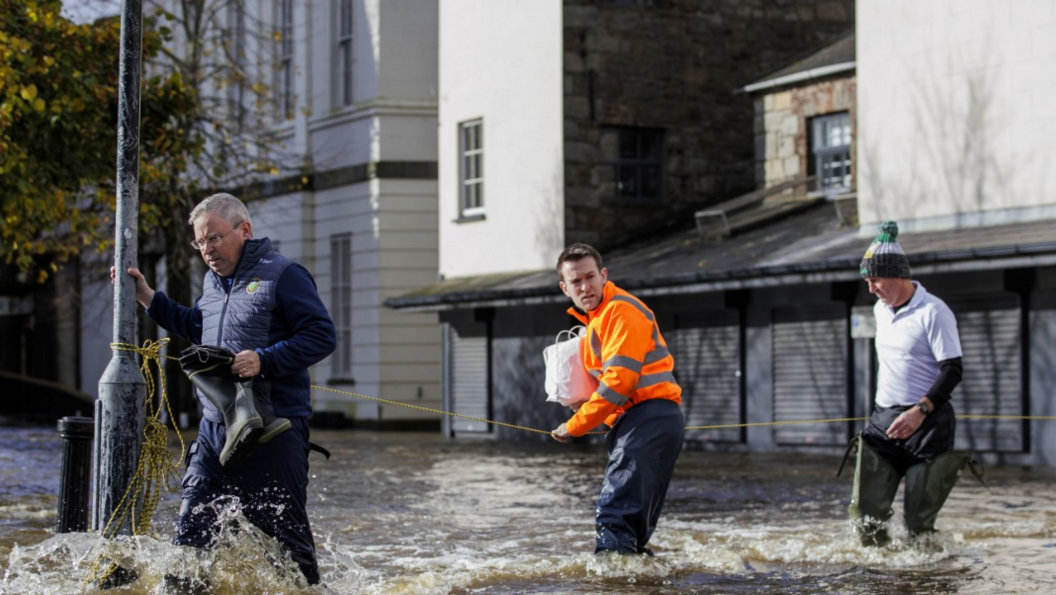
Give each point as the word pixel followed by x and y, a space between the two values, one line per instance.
pixel 911 430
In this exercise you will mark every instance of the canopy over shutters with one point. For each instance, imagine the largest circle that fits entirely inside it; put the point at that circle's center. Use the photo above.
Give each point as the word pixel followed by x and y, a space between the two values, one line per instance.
pixel 810 346
pixel 707 366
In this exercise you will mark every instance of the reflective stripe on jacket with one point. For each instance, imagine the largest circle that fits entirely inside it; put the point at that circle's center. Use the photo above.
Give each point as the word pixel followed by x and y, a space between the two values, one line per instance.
pixel 625 352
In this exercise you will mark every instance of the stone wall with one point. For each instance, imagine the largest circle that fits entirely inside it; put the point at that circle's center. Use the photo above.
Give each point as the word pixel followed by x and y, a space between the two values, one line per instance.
pixel 782 127
pixel 673 65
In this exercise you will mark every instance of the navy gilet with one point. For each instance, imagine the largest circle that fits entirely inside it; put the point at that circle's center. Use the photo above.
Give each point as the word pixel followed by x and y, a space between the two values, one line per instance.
pixel 240 318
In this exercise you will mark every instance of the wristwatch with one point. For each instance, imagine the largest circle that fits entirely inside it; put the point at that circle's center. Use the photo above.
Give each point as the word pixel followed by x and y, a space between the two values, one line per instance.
pixel 923 407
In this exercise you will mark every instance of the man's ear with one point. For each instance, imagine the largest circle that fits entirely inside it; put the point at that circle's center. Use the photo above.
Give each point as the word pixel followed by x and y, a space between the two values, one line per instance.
pixel 247 231
pixel 564 290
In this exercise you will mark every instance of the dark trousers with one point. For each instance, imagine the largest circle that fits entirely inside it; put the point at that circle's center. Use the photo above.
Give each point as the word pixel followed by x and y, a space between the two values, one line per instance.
pixel 271 485
pixel 934 437
pixel 643 447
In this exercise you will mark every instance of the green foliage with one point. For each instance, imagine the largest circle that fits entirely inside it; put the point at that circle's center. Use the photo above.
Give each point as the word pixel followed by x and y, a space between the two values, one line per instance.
pixel 58 133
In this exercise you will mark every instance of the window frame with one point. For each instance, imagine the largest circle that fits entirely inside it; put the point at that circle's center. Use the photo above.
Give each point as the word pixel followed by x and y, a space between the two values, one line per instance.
pixel 341 303
pixel 284 73
pixel 823 154
pixel 471 185
pixel 638 164
pixel 236 92
pixel 344 24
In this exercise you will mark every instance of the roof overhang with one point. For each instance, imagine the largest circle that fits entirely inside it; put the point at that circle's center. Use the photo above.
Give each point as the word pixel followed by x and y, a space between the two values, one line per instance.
pixel 827 271
pixel 800 77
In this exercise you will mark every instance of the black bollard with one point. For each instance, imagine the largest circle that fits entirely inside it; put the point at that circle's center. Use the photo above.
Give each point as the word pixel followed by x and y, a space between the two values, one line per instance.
pixel 77 433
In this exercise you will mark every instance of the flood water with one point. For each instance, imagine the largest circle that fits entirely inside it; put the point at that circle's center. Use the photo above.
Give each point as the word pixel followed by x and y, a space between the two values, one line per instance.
pixel 416 514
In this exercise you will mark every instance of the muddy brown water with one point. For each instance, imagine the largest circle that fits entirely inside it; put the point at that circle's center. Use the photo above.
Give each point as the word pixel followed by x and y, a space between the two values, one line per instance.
pixel 416 514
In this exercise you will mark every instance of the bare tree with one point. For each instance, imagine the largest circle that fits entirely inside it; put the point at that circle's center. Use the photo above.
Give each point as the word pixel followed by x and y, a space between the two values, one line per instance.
pixel 238 65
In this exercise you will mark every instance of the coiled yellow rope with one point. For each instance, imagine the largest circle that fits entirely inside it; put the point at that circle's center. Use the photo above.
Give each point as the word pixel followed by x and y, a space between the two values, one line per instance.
pixel 155 468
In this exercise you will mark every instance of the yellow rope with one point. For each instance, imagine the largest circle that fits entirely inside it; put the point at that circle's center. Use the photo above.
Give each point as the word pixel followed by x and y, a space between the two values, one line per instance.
pixel 154 468
pixel 712 427
pixel 431 410
pixel 709 427
pixel 779 423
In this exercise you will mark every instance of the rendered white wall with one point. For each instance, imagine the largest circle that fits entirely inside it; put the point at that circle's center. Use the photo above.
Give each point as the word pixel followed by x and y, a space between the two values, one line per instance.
pixel 394 85
pixel 956 121
pixel 501 60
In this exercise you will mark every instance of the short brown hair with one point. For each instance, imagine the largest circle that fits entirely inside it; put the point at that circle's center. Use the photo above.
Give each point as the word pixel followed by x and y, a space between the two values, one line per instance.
pixel 575 253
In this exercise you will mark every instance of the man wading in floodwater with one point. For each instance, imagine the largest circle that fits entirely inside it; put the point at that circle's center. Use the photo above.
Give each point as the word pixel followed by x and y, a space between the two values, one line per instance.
pixel 264 309
pixel 637 396
pixel 911 430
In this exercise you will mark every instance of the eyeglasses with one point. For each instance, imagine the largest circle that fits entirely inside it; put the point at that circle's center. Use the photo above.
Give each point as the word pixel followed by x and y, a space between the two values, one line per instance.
pixel 213 240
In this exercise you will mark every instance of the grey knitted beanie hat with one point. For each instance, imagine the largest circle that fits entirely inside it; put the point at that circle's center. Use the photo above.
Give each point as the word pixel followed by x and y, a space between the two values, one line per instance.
pixel 885 257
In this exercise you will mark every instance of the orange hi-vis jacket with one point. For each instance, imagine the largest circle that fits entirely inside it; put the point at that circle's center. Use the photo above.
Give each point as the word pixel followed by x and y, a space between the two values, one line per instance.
pixel 625 352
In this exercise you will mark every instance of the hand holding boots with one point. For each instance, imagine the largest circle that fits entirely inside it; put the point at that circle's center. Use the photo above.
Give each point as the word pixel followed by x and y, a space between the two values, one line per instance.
pixel 228 385
pixel 246 364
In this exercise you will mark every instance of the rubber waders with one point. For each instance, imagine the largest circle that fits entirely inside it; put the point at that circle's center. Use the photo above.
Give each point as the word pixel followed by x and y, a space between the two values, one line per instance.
pixel 247 415
pixel 875 485
pixel 927 487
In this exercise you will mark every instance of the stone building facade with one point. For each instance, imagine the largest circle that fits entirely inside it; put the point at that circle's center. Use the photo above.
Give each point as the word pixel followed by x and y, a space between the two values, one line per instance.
pixel 653 127
pixel 783 126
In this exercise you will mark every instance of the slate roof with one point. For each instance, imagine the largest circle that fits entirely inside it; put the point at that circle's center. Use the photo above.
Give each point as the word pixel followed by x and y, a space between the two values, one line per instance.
pixel 841 51
pixel 811 246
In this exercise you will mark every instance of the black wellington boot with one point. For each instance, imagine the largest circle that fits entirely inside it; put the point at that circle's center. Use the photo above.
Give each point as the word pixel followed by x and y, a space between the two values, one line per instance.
pixel 273 426
pixel 209 369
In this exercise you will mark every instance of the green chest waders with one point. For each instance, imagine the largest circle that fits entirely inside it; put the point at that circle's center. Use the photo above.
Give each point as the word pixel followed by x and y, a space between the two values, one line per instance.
pixel 247 415
pixel 927 487
pixel 875 484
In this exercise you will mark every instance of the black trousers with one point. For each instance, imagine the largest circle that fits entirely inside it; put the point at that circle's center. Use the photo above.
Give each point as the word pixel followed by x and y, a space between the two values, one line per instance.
pixel 643 447
pixel 934 437
pixel 271 485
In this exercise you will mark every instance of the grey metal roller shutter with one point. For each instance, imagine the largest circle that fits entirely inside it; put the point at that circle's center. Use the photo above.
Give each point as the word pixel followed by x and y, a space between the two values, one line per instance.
pixel 989 328
pixel 469 377
pixel 810 373
pixel 707 366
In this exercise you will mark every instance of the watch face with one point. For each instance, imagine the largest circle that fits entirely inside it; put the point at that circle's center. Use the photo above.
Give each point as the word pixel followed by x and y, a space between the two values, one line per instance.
pixel 923 408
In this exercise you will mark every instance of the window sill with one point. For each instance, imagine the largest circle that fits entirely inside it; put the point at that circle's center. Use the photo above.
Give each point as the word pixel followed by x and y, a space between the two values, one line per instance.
pixel 469 218
pixel 832 193
pixel 337 381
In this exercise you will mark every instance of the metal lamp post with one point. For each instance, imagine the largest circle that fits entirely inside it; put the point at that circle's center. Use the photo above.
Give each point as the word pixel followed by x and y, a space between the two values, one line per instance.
pixel 120 410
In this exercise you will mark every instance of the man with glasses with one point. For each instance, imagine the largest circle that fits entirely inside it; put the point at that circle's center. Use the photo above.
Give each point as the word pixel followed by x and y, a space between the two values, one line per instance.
pixel 265 309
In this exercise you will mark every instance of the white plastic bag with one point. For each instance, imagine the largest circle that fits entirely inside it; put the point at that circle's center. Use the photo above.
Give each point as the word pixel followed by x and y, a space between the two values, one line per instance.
pixel 567 380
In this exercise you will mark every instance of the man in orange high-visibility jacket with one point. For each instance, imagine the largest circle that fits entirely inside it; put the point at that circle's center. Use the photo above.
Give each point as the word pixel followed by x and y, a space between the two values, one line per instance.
pixel 637 396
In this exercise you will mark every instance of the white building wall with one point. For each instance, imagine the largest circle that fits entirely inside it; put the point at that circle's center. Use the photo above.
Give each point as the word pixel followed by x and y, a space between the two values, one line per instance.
pixel 394 85
pixel 408 343
pixel 392 221
pixel 501 61
pixel 407 45
pixel 956 122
